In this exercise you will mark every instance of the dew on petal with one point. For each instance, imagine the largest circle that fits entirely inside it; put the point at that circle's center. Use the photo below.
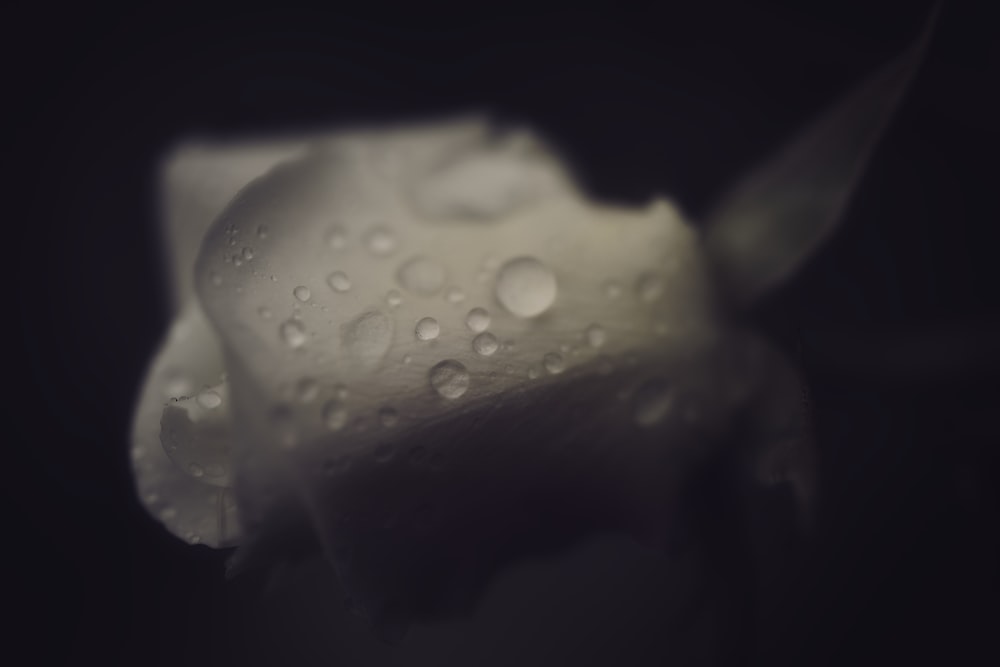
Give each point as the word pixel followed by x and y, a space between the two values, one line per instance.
pixel 449 378
pixel 526 287
pixel 477 320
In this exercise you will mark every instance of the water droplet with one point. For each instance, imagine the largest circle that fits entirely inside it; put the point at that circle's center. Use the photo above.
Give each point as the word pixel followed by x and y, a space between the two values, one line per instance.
pixel 454 295
pixel 196 470
pixel 526 287
pixel 302 293
pixel 167 513
pixel 553 363
pixel 209 399
pixel 477 320
pixel 334 415
pixel 652 402
pixel 485 344
pixel 264 312
pixel 368 337
pixel 340 391
pixel 596 336
pixel 533 373
pixel 336 237
pixel 307 390
pixel 380 241
pixel 393 298
pixel 449 378
pixel 293 332
pixel 274 278
pixel 649 287
pixel 422 276
pixel 216 279
pixel 262 231
pixel 407 359
pixel 427 329
pixel 612 289
pixel 339 281
pixel 388 417
pixel 247 254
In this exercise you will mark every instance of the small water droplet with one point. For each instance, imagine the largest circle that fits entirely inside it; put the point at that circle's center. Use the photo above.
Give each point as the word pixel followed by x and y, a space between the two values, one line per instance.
pixel 167 513
pixel 176 384
pixel 596 336
pixel 653 401
pixel 533 373
pixel 449 378
pixel 216 279
pixel 612 289
pixel 427 329
pixel 302 293
pixel 274 278
pixel 454 295
pixel 380 241
pixel 407 359
pixel 264 312
pixel 485 344
pixel 340 391
pixel 334 415
pixel 526 287
pixel 247 254
pixel 209 399
pixel 649 287
pixel 262 231
pixel 393 298
pixel 336 237
pixel 196 470
pixel 477 320
pixel 388 417
pixel 422 276
pixel 339 281
pixel 553 363
pixel 293 332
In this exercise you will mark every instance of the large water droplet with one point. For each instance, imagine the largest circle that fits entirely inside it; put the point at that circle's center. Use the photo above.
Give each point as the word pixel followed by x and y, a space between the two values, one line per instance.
pixel 338 281
pixel 334 415
pixel 368 337
pixel 421 275
pixel 477 320
pixel 554 363
pixel 449 378
pixel 485 344
pixel 427 329
pixel 526 287
pixel 302 293
pixel 653 401
pixel 209 399
pixel 293 332
pixel 380 241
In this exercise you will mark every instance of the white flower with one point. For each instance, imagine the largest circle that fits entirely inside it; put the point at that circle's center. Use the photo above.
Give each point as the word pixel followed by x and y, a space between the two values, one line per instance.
pixel 418 346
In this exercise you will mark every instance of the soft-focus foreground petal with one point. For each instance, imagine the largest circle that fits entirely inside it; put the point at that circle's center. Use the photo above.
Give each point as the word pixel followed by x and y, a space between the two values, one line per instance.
pixel 180 446
pixel 443 356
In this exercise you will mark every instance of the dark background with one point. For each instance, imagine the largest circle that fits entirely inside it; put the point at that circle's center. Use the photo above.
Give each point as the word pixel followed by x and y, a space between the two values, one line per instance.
pixel 680 100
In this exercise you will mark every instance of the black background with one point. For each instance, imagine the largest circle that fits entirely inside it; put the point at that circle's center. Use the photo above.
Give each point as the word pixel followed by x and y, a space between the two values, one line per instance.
pixel 680 100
